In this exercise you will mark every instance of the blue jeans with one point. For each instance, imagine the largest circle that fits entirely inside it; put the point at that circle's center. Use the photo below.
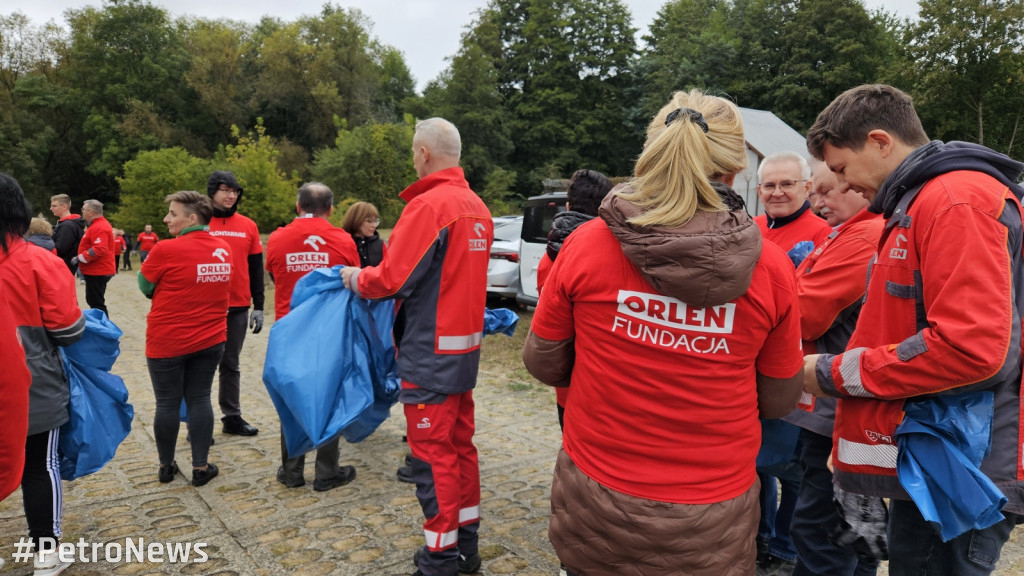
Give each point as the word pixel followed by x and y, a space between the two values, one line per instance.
pixel 781 438
pixel 915 547
pixel 814 518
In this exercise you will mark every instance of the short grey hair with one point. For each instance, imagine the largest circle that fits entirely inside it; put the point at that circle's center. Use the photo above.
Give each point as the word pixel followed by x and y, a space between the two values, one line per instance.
pixel 786 156
pixel 440 136
pixel 94 205
pixel 315 198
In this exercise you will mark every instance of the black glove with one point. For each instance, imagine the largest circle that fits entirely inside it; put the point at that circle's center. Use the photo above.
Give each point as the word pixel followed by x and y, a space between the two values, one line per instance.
pixel 862 522
pixel 256 321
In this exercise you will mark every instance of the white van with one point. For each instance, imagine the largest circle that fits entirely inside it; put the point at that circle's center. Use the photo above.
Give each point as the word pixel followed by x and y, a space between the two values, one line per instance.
pixel 537 217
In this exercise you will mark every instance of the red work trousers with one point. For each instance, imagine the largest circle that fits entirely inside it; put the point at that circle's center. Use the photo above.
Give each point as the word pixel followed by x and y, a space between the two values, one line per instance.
pixel 446 470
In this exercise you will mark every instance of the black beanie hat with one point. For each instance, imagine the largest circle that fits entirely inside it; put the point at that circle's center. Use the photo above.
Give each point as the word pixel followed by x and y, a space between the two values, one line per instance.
pixel 226 178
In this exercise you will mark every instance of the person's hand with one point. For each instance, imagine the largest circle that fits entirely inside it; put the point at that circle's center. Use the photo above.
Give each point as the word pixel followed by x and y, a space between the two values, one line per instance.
pixel 74 261
pixel 346 275
pixel 811 385
pixel 256 321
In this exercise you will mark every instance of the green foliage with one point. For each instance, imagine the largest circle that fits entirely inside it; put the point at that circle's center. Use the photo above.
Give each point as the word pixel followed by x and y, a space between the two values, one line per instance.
pixel 373 163
pixel 969 71
pixel 148 178
pixel 269 197
pixel 496 191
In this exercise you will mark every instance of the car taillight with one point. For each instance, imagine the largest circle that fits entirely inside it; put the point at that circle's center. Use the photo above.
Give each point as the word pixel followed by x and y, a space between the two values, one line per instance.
pixel 510 256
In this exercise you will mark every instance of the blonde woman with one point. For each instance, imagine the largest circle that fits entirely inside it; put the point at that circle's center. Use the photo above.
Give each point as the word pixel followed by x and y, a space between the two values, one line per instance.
pixel 675 328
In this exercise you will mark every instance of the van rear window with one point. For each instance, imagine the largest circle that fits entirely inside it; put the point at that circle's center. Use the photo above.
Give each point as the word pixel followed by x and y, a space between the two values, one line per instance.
pixel 537 221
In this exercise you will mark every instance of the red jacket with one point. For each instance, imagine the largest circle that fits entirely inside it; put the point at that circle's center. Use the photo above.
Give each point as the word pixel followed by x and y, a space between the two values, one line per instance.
pixel 41 295
pixel 437 262
pixel 939 316
pixel 830 284
pixel 96 250
pixel 306 244
pixel 14 384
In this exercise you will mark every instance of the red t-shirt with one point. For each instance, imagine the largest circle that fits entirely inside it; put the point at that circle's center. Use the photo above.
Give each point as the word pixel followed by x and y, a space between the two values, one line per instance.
pixel 306 244
pixel 807 226
pixel 190 303
pixel 146 241
pixel 664 396
pixel 243 238
pixel 118 245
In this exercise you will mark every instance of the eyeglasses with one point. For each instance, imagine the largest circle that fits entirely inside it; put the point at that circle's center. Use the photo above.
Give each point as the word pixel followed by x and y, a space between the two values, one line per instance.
pixel 374 221
pixel 228 191
pixel 785 185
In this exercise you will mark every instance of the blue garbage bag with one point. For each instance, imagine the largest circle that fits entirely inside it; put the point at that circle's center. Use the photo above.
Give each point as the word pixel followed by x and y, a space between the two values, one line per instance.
pixel 800 251
pixel 101 416
pixel 941 443
pixel 375 320
pixel 501 321
pixel 318 366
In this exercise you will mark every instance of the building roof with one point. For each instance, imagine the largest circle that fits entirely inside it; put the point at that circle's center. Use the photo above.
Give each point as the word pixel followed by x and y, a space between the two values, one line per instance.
pixel 766 133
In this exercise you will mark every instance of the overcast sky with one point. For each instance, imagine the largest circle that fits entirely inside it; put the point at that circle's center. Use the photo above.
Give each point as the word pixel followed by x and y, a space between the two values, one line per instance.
pixel 426 31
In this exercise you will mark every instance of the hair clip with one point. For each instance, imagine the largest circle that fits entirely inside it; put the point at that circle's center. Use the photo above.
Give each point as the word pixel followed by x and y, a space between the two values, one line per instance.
pixel 694 116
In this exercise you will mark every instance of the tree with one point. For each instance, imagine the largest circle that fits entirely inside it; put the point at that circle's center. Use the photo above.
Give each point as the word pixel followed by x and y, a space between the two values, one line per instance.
pixel 125 68
pixel 467 94
pixel 217 77
pixel 149 178
pixel 372 162
pixel 269 194
pixel 969 71
pixel 565 65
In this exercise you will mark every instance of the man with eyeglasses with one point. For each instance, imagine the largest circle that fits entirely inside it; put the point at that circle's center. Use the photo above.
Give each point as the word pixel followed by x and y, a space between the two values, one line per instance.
pixel 788 222
pixel 243 237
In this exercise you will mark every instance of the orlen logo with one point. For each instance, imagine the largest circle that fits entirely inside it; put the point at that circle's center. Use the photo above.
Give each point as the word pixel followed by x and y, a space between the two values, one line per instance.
pixel 478 244
pixel 878 437
pixel 213 269
pixel 674 313
pixel 220 254
pixel 314 242
pixel 294 258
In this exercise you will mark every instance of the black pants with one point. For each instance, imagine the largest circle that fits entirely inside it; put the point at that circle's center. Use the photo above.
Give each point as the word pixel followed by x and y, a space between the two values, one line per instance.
pixel 95 292
pixel 127 260
pixel 189 377
pixel 230 373
pixel 41 491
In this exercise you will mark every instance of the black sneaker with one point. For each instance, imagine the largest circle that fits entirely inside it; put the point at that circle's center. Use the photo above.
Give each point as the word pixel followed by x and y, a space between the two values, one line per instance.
pixel 345 475
pixel 775 566
pixel 239 427
pixel 404 474
pixel 201 477
pixel 467 564
pixel 289 483
pixel 408 459
pixel 167 472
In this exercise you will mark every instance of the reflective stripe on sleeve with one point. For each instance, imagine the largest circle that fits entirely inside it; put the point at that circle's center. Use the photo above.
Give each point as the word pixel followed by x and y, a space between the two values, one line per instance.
pixel 849 369
pixel 467 342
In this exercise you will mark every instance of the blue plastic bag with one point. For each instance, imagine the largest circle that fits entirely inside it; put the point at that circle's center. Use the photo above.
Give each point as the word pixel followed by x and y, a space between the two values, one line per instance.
pixel 800 251
pixel 501 321
pixel 322 363
pixel 942 442
pixel 375 320
pixel 101 416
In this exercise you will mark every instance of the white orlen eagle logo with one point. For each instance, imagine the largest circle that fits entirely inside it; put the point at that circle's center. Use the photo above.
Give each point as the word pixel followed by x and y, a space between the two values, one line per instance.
pixel 221 254
pixel 478 244
pixel 314 242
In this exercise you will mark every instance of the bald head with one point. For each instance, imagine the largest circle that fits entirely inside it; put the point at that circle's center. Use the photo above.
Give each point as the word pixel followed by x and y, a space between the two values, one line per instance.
pixel 436 145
